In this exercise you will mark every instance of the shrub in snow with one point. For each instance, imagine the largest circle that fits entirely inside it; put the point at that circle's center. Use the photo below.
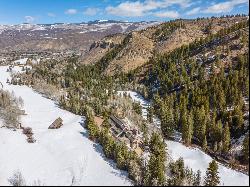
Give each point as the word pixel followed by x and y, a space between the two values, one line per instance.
pixel 10 109
pixel 38 183
pixel 17 179
pixel 27 131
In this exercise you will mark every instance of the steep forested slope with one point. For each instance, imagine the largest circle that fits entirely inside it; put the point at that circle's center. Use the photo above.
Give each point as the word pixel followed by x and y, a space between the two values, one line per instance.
pixel 141 46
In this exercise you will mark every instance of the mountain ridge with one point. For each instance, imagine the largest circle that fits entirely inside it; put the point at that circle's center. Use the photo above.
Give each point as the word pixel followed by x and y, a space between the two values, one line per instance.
pixel 162 38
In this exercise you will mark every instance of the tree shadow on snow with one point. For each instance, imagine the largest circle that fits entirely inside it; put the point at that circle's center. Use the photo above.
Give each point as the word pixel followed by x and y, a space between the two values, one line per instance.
pixel 98 148
pixel 120 173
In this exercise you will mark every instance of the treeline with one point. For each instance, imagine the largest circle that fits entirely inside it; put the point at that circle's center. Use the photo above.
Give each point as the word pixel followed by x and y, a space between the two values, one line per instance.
pixel 223 16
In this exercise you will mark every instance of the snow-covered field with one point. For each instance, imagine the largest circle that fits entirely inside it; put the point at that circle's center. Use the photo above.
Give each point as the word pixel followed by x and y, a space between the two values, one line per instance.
pixel 195 158
pixel 59 156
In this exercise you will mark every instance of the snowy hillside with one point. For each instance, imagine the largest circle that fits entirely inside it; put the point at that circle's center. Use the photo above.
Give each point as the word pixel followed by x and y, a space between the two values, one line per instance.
pixel 195 158
pixel 59 156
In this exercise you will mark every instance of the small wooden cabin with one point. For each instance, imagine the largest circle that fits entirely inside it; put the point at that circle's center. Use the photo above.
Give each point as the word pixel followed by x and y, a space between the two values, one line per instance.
pixel 56 124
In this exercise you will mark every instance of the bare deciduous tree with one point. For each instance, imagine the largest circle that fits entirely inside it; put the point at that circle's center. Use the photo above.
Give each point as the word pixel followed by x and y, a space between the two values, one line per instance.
pixel 10 109
pixel 17 179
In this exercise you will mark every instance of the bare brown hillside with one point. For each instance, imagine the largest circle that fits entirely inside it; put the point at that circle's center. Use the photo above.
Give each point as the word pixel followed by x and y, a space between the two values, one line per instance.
pixel 157 39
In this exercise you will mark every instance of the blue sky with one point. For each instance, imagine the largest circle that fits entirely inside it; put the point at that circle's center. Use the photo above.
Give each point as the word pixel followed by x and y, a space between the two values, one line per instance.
pixel 72 11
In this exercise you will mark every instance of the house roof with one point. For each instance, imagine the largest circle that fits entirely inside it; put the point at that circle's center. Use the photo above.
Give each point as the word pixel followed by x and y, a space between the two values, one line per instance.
pixel 57 121
pixel 118 122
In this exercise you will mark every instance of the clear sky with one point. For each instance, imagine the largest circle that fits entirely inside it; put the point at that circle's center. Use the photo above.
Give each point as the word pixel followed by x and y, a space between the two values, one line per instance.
pixel 75 11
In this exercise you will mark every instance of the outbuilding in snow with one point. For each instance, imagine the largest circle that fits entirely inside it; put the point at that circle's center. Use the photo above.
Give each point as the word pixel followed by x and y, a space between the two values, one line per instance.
pixel 56 124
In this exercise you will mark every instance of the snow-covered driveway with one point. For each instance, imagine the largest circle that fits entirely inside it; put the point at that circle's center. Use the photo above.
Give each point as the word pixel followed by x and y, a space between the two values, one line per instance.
pixel 58 156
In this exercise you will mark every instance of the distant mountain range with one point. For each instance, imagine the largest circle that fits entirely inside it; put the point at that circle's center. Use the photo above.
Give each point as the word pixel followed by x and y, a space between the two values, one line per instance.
pixel 62 36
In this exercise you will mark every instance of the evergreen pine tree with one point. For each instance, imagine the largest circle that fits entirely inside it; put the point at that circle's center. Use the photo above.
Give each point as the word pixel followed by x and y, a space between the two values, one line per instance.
pixel 215 147
pixel 238 121
pixel 150 114
pixel 197 180
pixel 122 157
pixel 212 175
pixel 155 174
pixel 204 144
pixel 245 149
pixel 177 170
pixel 135 172
pixel 187 128
pixel 92 127
pixel 226 139
pixel 167 121
pixel 200 122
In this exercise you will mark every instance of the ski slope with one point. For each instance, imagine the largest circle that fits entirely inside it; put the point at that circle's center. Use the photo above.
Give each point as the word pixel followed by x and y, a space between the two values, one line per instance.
pixel 194 158
pixel 59 156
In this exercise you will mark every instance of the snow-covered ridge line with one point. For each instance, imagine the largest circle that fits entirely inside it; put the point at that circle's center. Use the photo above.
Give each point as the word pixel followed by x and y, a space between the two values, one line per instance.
pixel 98 23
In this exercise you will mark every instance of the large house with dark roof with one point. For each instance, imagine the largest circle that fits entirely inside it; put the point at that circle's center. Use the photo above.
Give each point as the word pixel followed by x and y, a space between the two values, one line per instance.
pixel 123 132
